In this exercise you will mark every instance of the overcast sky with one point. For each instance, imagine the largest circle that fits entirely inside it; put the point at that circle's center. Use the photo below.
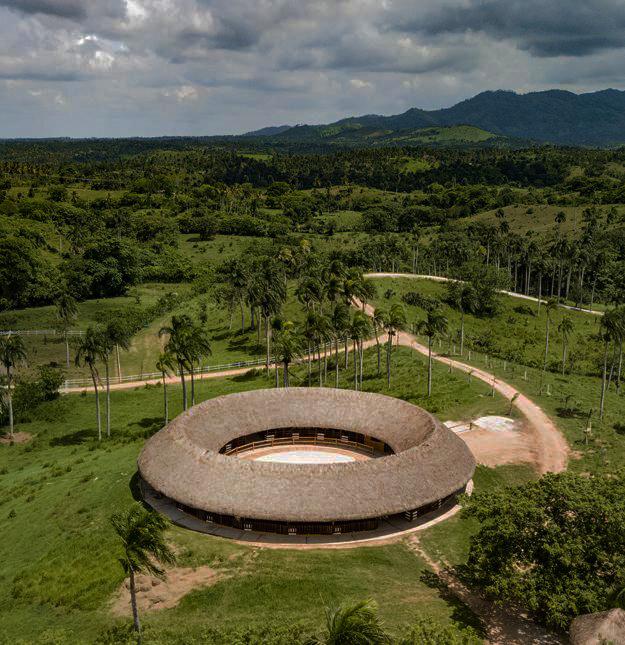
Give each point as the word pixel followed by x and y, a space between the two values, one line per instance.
pixel 193 67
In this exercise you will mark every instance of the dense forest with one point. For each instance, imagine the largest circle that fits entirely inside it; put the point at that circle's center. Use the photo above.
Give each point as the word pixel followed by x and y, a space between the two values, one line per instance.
pixel 94 218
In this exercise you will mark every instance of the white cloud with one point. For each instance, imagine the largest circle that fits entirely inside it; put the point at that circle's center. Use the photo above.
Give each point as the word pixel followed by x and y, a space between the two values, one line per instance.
pixel 359 84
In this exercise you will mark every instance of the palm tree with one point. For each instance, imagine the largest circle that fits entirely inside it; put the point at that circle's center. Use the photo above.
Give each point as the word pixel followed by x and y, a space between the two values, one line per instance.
pixel 395 320
pixel 379 317
pixel 359 329
pixel 269 293
pixel 353 624
pixel 12 353
pixel 164 364
pixel 566 329
pixel 197 346
pixel 143 548
pixel 434 325
pixel 339 324
pixel 610 330
pixel 118 332
pixel 67 312
pixel 287 347
pixel 88 352
pixel 105 349
pixel 550 307
pixel 177 346
pixel 462 296
pixel 321 330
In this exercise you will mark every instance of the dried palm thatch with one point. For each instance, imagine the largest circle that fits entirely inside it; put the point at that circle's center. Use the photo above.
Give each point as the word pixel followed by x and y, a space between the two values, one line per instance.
pixel 183 461
pixel 602 627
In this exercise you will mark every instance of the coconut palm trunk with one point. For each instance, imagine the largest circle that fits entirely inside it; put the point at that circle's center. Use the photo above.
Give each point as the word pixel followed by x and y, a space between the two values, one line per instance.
pixel 192 373
pixel 361 362
pixel 184 385
pixel 108 398
pixel 165 399
pixel 10 401
pixel 133 603
pixel 119 363
pixel 354 345
pixel 377 344
pixel 389 347
pixel 267 343
pixel 94 378
pixel 430 339
pixel 66 349
pixel 336 361
pixel 604 377
pixel 462 332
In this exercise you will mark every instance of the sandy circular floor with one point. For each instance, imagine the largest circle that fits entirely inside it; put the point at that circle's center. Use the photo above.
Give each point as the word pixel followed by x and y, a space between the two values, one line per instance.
pixel 304 455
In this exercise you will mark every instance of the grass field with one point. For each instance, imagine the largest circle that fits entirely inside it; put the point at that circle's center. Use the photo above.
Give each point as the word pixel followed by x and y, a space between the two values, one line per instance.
pixel 59 554
pixel 518 341
pixel 538 218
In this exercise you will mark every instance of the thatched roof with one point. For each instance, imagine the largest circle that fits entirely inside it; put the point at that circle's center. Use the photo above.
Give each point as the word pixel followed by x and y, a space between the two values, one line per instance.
pixel 602 627
pixel 182 461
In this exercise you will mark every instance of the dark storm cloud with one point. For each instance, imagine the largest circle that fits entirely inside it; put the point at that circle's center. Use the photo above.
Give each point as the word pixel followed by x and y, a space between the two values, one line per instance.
pixel 542 27
pixel 74 9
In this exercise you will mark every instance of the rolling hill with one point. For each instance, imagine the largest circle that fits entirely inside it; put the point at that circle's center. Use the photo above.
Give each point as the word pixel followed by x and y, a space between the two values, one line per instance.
pixel 553 116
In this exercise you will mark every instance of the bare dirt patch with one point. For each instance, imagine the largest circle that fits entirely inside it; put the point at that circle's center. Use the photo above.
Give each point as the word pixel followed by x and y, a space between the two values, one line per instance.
pixel 154 594
pixel 18 437
pixel 496 441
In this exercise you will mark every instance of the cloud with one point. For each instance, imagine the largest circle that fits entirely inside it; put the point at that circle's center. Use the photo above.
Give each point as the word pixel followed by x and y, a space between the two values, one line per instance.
pixel 63 8
pixel 234 65
pixel 545 29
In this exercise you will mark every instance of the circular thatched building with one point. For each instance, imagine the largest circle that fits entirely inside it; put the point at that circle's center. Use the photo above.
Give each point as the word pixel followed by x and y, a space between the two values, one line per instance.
pixel 397 460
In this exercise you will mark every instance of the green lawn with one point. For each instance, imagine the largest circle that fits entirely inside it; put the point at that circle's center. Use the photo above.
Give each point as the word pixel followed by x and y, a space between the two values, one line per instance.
pixel 516 333
pixel 567 399
pixel 59 553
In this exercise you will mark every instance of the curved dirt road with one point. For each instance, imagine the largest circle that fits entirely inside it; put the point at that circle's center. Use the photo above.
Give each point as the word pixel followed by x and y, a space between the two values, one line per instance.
pixel 550 446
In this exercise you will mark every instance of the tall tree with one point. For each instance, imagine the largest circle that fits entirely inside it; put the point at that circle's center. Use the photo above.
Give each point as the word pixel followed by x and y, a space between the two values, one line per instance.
pixel 12 354
pixel 178 345
pixel 269 292
pixel 196 346
pixel 165 365
pixel 88 352
pixel 610 330
pixel 66 312
pixel 434 325
pixel 566 329
pixel 463 297
pixel 144 549
pixel 394 321
pixel 550 307
pixel 360 329
pixel 339 325
pixel 119 334
pixel 287 347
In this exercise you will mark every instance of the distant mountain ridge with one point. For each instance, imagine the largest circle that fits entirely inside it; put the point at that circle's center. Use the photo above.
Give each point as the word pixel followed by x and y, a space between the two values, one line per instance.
pixel 552 116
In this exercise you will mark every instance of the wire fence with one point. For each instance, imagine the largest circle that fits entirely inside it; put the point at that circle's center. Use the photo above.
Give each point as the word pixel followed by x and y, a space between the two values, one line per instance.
pixel 40 332
pixel 69 384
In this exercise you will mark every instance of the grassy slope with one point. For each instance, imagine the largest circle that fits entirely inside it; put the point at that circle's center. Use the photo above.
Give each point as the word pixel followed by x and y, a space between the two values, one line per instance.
pixel 524 337
pixel 58 552
pixel 540 220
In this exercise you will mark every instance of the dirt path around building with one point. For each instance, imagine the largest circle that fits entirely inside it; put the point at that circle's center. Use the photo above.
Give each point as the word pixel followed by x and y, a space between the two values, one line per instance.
pixel 503 625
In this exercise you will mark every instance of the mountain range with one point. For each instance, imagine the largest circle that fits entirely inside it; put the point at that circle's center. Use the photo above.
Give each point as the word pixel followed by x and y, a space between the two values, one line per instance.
pixel 553 116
